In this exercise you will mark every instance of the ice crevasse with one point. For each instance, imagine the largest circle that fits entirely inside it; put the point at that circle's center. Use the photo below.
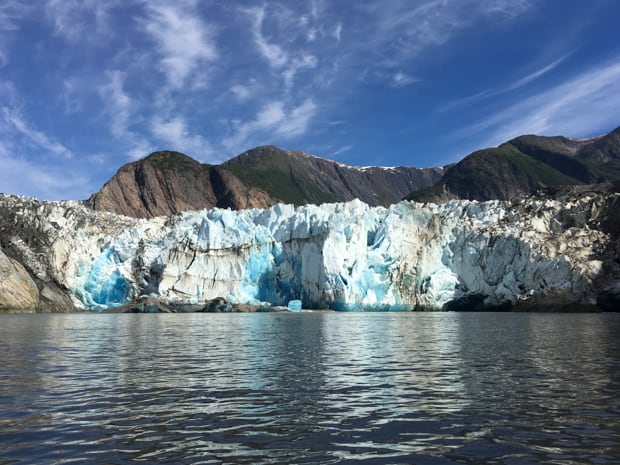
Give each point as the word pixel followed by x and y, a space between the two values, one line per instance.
pixel 345 256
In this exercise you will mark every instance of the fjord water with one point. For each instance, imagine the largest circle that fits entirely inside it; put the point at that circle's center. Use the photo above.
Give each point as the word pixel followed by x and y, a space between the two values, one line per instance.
pixel 384 388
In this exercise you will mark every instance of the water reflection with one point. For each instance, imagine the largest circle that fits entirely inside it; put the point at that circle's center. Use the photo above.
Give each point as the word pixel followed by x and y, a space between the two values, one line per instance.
pixel 536 377
pixel 310 388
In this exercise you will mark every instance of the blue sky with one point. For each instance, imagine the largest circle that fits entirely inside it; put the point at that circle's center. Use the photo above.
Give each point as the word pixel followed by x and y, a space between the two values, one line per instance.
pixel 88 85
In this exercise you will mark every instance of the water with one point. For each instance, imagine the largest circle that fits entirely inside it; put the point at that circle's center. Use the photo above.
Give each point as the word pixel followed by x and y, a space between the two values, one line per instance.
pixel 319 388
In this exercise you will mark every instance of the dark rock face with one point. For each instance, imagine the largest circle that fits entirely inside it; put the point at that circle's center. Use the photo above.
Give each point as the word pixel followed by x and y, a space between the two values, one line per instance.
pixel 372 185
pixel 232 193
pixel 217 305
pixel 301 178
pixel 603 150
pixel 164 183
pixel 167 183
pixel 555 300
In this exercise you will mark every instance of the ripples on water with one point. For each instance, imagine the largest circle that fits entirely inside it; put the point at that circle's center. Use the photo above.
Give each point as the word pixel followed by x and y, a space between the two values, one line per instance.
pixel 315 388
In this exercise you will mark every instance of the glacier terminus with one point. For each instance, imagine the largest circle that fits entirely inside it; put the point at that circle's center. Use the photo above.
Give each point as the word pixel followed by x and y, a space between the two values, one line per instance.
pixel 343 256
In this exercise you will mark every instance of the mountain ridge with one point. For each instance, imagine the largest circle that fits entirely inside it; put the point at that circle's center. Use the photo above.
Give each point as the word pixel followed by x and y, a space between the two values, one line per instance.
pixel 526 164
pixel 168 182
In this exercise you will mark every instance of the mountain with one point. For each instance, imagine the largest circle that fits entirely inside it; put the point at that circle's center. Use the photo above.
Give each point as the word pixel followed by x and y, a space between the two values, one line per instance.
pixel 555 251
pixel 526 164
pixel 166 183
pixel 299 178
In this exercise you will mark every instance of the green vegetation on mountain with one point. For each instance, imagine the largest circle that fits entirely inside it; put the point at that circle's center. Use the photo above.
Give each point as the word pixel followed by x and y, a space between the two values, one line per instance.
pixel 501 172
pixel 176 162
pixel 526 164
pixel 274 171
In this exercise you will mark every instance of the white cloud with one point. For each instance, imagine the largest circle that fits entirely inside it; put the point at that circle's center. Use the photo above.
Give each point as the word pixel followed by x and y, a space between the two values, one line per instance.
pixel 11 12
pixel 400 79
pixel 298 64
pixel 343 149
pixel 33 136
pixel 485 94
pixel 243 92
pixel 185 42
pixel 24 177
pixel 119 104
pixel 8 95
pixel 278 58
pixel 561 109
pixel 398 30
pixel 121 108
pixel 69 98
pixel 298 120
pixel 273 53
pixel 338 32
pixel 535 75
pixel 176 133
pixel 140 149
pixel 272 120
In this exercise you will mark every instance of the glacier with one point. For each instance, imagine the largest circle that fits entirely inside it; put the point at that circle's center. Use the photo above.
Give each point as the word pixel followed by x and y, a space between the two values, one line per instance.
pixel 345 256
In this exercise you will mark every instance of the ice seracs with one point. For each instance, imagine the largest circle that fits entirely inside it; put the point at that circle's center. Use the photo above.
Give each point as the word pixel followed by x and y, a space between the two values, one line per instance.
pixel 346 256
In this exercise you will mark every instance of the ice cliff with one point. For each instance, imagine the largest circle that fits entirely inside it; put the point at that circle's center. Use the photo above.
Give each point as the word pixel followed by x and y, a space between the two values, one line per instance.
pixel 346 256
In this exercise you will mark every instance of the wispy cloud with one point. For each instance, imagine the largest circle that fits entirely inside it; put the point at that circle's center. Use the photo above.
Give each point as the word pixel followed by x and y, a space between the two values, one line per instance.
pixel 69 96
pixel 81 20
pixel 273 53
pixel 11 13
pixel 344 149
pixel 20 176
pixel 185 43
pixel 561 109
pixel 288 63
pixel 176 133
pixel 488 93
pixel 120 109
pixel 298 120
pixel 273 118
pixel 119 104
pixel 338 32
pixel 33 136
pixel 305 61
pixel 534 75
pixel 399 30
pixel 400 79
pixel 243 92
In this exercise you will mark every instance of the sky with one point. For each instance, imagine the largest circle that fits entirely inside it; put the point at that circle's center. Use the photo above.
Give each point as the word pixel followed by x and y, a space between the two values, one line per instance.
pixel 89 85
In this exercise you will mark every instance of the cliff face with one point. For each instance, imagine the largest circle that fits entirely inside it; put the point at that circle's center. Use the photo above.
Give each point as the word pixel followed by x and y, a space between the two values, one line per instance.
pixel 557 250
pixel 18 291
pixel 167 183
